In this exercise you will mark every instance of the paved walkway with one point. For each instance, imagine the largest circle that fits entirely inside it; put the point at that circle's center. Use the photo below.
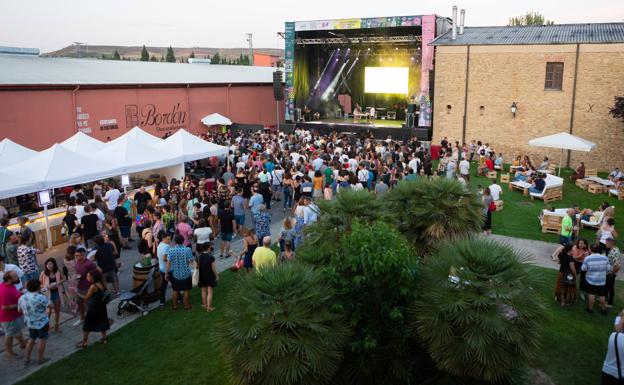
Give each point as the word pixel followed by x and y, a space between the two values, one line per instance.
pixel 62 345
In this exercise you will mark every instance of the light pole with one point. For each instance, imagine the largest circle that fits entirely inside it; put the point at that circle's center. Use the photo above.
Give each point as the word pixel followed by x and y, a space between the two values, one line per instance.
pixel 251 52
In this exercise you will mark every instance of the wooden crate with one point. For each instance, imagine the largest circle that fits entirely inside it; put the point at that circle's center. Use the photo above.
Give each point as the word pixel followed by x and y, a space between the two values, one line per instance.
pixel 505 178
pixel 492 174
pixel 582 183
pixel 596 188
pixel 591 172
pixel 551 224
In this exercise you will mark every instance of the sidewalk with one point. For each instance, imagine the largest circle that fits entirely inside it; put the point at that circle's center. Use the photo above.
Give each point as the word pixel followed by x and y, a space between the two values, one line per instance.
pixel 62 345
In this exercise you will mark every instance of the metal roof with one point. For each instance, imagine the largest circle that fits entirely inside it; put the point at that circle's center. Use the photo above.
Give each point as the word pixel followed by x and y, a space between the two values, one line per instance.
pixel 593 33
pixel 35 70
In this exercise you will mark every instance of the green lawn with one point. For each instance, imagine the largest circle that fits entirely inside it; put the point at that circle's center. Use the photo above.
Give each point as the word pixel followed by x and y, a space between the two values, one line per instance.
pixel 175 347
pixel 519 215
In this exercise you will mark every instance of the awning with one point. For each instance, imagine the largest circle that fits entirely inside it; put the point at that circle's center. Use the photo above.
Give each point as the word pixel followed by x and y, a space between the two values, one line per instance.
pixel 83 144
pixel 216 120
pixel 11 152
pixel 189 146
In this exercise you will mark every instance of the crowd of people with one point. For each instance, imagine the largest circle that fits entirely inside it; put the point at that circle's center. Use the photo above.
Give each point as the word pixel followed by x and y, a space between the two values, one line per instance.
pixel 175 225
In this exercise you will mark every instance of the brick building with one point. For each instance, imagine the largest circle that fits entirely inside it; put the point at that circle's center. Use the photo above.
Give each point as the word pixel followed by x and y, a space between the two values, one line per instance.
pixel 562 78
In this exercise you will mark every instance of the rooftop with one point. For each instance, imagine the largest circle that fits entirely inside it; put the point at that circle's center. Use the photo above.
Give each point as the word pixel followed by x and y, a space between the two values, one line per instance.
pixel 34 70
pixel 593 33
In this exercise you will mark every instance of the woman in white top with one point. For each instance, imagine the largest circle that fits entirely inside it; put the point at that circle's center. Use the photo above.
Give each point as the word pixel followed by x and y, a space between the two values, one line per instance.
pixel 613 365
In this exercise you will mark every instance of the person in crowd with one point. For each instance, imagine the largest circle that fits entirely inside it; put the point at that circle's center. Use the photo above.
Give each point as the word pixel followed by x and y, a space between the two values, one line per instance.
pixel 539 183
pixel 208 275
pixel 70 221
pixel 566 234
pixel 185 230
pixel 96 319
pixel 597 266
pixel 287 232
pixel 51 279
pixel 613 254
pixel 105 259
pixel 495 190
pixel 287 254
pixel 7 266
pixel 579 173
pixel 161 253
pixel 25 231
pixel 250 243
pixel 89 225
pixel 565 289
pixel 613 365
pixel 263 255
pixel 607 230
pixel 83 267
pixel 262 222
pixel 124 222
pixel 579 251
pixel 238 205
pixel 112 197
pixel 5 235
pixel 544 165
pixel 27 259
pixel 34 306
pixel 11 320
pixel 228 224
pixel 179 259
pixel 487 207
pixel 616 175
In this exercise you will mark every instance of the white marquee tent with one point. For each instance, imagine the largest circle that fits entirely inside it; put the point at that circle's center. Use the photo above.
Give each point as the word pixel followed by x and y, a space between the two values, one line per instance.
pixel 190 146
pixel 563 141
pixel 131 154
pixel 83 144
pixel 216 120
pixel 11 152
pixel 140 135
pixel 51 168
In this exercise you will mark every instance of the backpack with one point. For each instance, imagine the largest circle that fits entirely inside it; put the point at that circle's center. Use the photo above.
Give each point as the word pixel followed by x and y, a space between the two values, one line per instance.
pixel 492 206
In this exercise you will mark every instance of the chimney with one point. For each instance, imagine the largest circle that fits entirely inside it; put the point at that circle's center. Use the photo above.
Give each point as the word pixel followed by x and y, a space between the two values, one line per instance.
pixel 462 16
pixel 454 33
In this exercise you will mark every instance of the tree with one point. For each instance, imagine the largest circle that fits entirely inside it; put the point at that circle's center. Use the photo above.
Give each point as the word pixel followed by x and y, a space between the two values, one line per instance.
pixel 192 55
pixel 280 328
pixel 162 58
pixel 144 54
pixel 373 270
pixel 116 55
pixel 170 55
pixel 154 58
pixel 430 210
pixel 530 18
pixel 216 59
pixel 246 60
pixel 617 111
pixel 479 313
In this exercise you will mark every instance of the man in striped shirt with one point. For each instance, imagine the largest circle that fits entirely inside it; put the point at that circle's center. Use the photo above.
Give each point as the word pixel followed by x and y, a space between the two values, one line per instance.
pixel 597 266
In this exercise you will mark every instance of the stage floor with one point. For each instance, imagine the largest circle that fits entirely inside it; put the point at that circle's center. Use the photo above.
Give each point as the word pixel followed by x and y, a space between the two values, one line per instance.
pixel 361 122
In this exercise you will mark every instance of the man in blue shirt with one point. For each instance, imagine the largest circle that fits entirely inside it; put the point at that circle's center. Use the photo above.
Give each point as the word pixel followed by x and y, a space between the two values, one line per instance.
pixel 34 306
pixel 255 201
pixel 538 184
pixel 179 258
pixel 597 266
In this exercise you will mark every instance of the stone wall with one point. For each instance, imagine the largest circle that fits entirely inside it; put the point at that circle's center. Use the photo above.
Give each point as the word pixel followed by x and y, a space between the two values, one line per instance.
pixel 500 75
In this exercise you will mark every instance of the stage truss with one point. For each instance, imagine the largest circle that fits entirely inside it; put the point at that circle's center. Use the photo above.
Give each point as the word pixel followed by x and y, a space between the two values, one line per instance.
pixel 361 40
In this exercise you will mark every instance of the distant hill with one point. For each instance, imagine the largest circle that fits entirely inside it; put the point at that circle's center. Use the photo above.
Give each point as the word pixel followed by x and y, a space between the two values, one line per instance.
pixel 134 52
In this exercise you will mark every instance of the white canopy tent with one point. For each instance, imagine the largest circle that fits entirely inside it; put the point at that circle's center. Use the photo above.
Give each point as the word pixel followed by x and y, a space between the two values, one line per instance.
pixel 133 155
pixel 563 141
pixel 190 147
pixel 216 120
pixel 83 144
pixel 51 168
pixel 140 135
pixel 11 152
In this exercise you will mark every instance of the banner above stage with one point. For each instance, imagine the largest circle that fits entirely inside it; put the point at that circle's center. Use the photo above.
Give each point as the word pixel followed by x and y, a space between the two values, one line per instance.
pixel 354 23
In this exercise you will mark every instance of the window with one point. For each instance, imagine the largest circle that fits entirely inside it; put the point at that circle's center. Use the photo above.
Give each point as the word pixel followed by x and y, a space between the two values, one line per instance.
pixel 132 115
pixel 554 76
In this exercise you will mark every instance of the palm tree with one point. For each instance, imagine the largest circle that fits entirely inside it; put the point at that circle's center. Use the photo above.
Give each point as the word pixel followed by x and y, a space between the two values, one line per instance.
pixel 478 314
pixel 278 329
pixel 430 210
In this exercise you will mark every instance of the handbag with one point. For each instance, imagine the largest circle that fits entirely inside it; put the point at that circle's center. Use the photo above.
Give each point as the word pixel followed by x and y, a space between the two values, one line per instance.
pixel 237 265
pixel 617 358
pixel 195 278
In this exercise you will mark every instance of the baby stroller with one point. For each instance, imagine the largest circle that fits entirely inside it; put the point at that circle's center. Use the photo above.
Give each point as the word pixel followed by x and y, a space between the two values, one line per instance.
pixel 132 301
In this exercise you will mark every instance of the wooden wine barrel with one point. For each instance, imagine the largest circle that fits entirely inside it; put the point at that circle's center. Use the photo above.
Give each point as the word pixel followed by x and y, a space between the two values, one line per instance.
pixel 139 276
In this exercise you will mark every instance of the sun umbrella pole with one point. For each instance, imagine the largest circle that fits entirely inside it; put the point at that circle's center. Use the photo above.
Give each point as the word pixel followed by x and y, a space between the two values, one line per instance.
pixel 47 226
pixel 560 163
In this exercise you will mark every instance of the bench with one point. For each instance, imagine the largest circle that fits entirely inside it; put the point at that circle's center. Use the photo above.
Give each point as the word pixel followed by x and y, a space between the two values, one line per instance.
pixel 521 186
pixel 618 193
pixel 595 188
pixel 505 178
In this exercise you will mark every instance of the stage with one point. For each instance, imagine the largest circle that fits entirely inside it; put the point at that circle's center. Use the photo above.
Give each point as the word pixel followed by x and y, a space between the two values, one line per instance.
pixel 380 129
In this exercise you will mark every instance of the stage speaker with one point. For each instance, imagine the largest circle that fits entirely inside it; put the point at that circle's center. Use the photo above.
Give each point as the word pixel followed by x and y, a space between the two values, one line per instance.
pixel 278 91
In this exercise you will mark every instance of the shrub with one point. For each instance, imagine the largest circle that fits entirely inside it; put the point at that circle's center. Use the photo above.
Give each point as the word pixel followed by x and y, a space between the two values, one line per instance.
pixel 478 314
pixel 430 210
pixel 373 271
pixel 278 328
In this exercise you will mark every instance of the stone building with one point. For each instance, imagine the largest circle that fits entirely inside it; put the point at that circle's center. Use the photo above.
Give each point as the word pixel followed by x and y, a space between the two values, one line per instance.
pixel 561 78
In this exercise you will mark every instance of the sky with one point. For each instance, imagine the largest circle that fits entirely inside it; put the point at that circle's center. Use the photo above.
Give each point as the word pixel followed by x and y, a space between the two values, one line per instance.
pixel 50 25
